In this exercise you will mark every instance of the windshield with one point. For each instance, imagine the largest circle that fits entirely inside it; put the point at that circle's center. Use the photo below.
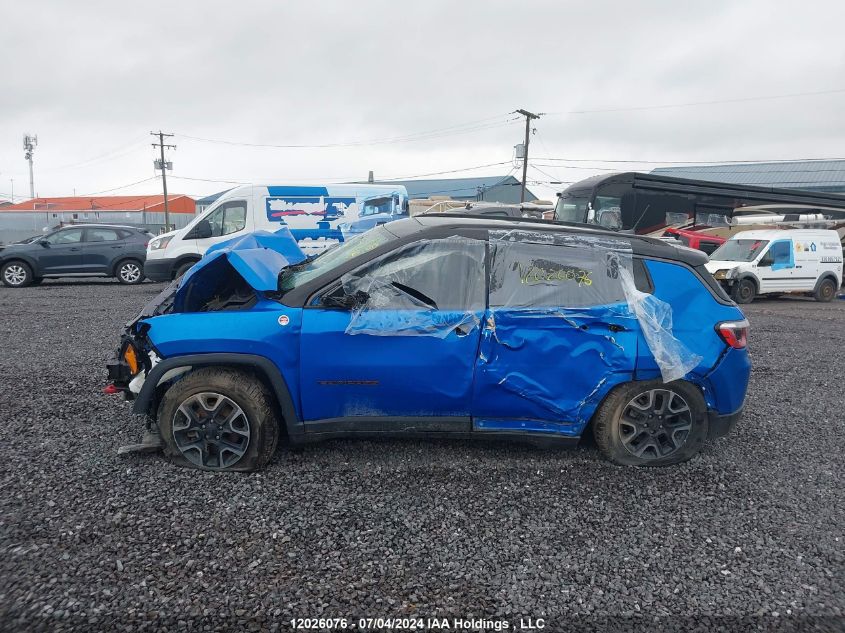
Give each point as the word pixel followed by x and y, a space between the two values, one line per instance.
pixel 294 276
pixel 739 250
pixel 377 205
pixel 572 207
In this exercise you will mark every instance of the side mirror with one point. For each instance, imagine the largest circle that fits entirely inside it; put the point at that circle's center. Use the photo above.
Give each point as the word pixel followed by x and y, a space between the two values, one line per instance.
pixel 45 243
pixel 345 301
pixel 201 231
pixel 766 260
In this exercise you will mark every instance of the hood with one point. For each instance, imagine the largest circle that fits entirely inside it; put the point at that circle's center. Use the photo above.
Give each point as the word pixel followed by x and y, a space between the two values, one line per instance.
pixel 713 266
pixel 256 259
pixel 167 234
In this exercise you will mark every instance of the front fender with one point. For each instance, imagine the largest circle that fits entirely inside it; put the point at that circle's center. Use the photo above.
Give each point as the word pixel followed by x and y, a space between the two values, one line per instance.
pixel 24 257
pixel 145 402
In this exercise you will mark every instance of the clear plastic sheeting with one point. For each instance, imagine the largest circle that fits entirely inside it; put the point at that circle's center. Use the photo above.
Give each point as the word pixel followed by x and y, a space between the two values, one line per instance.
pixel 530 270
pixel 429 288
pixel 673 358
pixel 592 277
pixel 573 295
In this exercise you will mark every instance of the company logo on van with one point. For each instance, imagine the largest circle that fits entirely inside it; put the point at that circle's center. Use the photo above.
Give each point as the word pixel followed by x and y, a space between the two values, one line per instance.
pixel 308 208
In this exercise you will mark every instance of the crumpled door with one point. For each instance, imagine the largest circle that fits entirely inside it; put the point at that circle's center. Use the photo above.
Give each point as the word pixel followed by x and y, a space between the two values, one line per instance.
pixel 557 336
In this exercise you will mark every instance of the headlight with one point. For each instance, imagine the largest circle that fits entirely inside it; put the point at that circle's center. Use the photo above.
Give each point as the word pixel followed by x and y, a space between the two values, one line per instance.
pixel 160 243
pixel 721 274
pixel 131 358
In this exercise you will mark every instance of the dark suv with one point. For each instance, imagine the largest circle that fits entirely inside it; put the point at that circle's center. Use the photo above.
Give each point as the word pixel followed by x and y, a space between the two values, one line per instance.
pixel 74 251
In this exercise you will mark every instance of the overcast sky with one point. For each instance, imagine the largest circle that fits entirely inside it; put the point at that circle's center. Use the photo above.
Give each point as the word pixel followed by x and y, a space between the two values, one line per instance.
pixel 91 79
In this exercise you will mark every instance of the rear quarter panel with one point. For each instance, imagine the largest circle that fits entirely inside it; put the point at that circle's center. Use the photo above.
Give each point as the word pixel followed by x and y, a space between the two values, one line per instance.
pixel 695 313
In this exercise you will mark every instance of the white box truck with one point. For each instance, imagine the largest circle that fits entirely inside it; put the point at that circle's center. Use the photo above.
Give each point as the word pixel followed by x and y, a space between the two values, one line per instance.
pixel 778 261
pixel 318 217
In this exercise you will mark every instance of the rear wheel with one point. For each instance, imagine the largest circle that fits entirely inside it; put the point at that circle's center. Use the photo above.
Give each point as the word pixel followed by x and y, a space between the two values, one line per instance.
pixel 217 418
pixel 744 291
pixel 826 290
pixel 17 274
pixel 130 272
pixel 651 423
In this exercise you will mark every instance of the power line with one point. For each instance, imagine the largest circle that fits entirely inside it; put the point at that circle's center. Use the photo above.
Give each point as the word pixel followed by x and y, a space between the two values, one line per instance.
pixel 450 171
pixel 554 180
pixel 120 151
pixel 702 103
pixel 419 136
pixel 338 180
pixel 131 184
pixel 689 162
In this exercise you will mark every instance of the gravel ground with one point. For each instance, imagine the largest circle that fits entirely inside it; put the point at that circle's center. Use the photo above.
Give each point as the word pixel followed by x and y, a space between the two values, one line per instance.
pixel 748 535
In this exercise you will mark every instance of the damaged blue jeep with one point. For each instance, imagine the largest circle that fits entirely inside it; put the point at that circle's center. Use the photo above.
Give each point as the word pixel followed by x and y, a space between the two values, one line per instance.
pixel 438 326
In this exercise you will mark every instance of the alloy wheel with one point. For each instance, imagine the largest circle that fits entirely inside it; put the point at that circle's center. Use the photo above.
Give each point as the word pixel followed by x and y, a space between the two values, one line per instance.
pixel 655 424
pixel 15 274
pixel 211 430
pixel 130 272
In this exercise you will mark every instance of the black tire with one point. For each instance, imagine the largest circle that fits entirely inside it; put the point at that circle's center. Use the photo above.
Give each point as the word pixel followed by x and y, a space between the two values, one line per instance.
pixel 16 274
pixel 183 268
pixel 217 447
pixel 665 441
pixel 129 272
pixel 825 291
pixel 744 291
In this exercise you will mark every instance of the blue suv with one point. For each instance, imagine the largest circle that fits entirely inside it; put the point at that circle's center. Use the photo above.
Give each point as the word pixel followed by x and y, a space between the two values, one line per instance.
pixel 438 326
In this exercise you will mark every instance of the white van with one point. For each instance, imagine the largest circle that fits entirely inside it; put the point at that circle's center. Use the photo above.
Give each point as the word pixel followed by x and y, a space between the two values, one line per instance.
pixel 778 261
pixel 318 217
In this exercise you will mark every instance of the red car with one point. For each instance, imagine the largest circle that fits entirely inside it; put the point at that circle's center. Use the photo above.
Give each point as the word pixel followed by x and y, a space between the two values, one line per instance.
pixel 696 239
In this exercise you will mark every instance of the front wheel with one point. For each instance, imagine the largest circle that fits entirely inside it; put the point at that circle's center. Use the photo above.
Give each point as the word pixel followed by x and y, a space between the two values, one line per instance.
pixel 826 290
pixel 651 423
pixel 17 274
pixel 130 272
pixel 183 269
pixel 218 418
pixel 744 291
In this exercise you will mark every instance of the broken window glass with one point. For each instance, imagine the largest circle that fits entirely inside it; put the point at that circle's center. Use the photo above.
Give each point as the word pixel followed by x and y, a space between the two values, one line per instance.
pixel 425 289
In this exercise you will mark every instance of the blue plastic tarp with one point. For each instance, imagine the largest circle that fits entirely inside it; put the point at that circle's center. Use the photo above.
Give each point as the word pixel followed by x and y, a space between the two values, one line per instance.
pixel 258 257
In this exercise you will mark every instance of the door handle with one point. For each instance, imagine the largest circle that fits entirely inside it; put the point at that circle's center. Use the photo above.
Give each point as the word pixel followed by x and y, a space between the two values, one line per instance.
pixel 75 248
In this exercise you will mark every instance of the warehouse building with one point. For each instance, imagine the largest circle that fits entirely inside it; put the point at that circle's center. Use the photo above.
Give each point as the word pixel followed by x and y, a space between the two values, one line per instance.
pixel 811 175
pixel 505 189
pixel 18 221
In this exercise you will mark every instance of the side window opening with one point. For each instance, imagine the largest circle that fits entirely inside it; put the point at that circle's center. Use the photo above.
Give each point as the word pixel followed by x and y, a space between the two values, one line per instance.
pixel 426 289
pixel 228 218
pixel 102 235
pixel 560 275
pixel 71 236
pixel 530 275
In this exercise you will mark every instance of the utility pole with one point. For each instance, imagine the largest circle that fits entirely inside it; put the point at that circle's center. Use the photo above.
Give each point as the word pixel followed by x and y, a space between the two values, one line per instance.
pixel 163 166
pixel 29 143
pixel 528 116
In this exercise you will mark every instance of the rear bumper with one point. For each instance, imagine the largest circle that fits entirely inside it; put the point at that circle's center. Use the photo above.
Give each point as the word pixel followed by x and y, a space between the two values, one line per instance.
pixel 159 269
pixel 721 425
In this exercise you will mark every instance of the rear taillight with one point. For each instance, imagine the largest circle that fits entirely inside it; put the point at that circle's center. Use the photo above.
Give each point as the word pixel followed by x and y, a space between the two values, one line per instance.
pixel 734 333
